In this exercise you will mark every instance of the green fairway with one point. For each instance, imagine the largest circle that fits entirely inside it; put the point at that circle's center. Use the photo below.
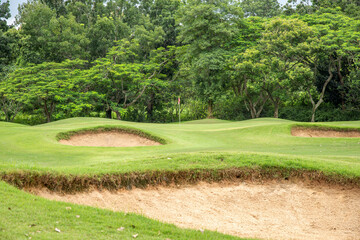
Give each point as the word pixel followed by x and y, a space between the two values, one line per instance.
pixel 204 144
pixel 197 144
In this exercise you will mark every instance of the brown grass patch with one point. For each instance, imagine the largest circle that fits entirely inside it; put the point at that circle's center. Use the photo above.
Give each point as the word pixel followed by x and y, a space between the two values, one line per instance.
pixel 115 181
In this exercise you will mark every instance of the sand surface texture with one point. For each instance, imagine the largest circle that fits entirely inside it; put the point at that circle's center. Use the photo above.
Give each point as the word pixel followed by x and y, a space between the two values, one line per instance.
pixel 266 211
pixel 302 132
pixel 108 139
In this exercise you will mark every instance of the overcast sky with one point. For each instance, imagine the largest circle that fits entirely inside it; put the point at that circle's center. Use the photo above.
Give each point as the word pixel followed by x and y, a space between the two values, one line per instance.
pixel 15 3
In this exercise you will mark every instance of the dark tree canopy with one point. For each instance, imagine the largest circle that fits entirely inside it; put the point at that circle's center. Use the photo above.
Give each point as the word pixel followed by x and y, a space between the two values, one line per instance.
pixel 234 59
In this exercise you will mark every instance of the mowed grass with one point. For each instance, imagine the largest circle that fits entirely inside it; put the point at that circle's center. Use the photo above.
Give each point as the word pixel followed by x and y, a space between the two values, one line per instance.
pixel 191 145
pixel 205 144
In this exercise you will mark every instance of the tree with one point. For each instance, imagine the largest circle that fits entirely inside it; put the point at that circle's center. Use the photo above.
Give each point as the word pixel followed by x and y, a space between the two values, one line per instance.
pixel 149 37
pixel 249 80
pixel 206 29
pixel 57 5
pixel 260 8
pixel 285 45
pixel 46 37
pixel 103 35
pixel 301 7
pixel 336 49
pixel 162 14
pixel 349 7
pixel 9 100
pixel 4 15
pixel 52 86
pixel 123 77
pixel 6 40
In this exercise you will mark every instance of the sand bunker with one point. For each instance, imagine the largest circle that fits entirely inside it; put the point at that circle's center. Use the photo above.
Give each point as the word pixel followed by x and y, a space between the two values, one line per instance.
pixel 108 139
pixel 311 132
pixel 269 211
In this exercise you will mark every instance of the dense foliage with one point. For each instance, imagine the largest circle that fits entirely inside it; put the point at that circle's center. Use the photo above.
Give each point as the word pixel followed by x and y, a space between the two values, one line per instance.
pixel 133 59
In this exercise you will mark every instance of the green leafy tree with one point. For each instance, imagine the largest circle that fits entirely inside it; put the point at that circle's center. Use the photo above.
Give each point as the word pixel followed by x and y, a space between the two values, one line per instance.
pixel 349 7
pixel 149 37
pixel 336 49
pixel 260 8
pixel 57 5
pixel 206 29
pixel 47 37
pixel 123 77
pixel 163 14
pixel 6 40
pixel 4 15
pixel 249 80
pixel 284 46
pixel 298 7
pixel 9 99
pixel 52 86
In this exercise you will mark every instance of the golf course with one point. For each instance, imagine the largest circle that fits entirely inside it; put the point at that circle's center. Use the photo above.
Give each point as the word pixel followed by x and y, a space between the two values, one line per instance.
pixel 199 153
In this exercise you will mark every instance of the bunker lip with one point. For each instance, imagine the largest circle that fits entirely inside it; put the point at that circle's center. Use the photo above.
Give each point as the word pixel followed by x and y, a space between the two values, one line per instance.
pixel 109 136
pixel 108 139
pixel 302 131
pixel 268 210
pixel 68 183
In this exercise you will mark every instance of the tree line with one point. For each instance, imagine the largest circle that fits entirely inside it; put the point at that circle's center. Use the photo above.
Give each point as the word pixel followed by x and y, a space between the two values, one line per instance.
pixel 132 59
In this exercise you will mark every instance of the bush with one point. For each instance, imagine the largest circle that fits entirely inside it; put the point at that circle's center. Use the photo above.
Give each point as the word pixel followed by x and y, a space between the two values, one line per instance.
pixel 326 113
pixel 28 119
pixel 231 108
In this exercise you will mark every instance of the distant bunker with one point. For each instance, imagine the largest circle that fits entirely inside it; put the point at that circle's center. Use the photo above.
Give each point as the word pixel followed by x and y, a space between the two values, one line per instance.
pixel 324 132
pixel 109 137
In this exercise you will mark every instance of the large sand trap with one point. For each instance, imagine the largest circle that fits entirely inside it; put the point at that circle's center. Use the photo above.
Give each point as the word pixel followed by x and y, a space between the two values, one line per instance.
pixel 108 139
pixel 269 211
pixel 310 132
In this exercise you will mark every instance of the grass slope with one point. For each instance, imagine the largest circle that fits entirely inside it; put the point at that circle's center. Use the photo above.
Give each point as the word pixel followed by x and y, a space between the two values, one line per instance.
pixel 208 144
pixel 264 142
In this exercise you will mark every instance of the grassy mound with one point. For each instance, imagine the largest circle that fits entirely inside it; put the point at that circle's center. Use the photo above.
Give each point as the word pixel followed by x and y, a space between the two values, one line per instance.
pixel 257 149
pixel 100 129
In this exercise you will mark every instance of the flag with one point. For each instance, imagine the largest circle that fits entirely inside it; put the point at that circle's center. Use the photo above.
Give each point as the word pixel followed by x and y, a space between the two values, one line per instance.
pixel 179 100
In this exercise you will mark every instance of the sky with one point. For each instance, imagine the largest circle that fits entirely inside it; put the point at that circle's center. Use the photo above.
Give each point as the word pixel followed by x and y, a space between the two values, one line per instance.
pixel 13 8
pixel 15 3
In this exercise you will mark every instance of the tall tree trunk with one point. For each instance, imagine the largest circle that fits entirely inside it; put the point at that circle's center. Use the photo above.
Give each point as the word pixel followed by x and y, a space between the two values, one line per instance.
pixel 341 79
pixel 108 113
pixel 210 109
pixel 252 110
pixel 118 115
pixel 276 109
pixel 275 101
pixel 150 106
pixel 321 98
pixel 252 106
pixel 47 112
pixel 263 99
pixel 313 114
